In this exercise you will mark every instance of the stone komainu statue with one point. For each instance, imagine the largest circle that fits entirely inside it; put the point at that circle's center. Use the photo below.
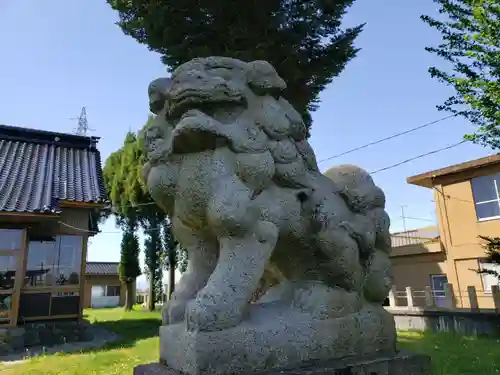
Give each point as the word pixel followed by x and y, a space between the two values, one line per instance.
pixel 229 161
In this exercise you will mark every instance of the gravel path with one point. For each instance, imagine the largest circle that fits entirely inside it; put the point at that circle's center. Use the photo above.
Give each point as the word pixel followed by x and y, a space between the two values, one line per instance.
pixel 100 338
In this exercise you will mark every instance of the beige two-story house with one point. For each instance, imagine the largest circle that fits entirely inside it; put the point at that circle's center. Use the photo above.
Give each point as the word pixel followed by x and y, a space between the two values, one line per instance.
pixel 467 197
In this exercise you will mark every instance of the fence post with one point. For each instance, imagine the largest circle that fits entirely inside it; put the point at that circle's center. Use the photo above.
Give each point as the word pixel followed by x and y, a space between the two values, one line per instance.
pixel 392 297
pixel 449 298
pixel 471 291
pixel 495 293
pixel 409 296
pixel 429 298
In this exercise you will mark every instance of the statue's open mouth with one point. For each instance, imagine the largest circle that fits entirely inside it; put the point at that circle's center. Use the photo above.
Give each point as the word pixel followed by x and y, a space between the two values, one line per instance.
pixel 197 131
pixel 203 118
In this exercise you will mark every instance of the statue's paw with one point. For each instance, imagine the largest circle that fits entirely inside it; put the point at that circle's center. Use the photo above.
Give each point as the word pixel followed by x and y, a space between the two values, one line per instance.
pixel 211 317
pixel 173 312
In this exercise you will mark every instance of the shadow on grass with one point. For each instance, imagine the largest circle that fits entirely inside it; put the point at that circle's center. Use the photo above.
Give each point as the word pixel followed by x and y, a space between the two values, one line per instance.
pixel 129 329
pixel 453 354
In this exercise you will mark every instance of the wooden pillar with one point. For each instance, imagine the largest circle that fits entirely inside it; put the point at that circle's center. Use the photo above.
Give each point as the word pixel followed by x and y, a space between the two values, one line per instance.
pixel 409 297
pixel 471 292
pixel 21 259
pixel 82 274
pixel 429 298
pixel 495 294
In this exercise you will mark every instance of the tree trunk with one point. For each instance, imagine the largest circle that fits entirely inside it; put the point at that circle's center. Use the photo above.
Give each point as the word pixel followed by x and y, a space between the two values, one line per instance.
pixel 172 265
pixel 151 292
pixel 129 297
pixel 171 282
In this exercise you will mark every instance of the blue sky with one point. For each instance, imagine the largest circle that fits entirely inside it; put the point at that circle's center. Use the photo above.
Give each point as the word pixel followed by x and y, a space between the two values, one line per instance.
pixel 60 55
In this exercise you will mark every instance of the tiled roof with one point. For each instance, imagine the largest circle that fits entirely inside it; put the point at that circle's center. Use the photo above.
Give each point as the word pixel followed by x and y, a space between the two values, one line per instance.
pixel 38 169
pixel 414 237
pixel 101 268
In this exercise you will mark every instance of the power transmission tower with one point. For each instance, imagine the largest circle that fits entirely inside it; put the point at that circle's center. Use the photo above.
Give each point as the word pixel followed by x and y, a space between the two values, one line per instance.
pixel 83 126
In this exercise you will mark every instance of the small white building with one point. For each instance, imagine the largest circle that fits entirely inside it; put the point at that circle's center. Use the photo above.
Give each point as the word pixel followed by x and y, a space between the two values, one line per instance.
pixel 102 285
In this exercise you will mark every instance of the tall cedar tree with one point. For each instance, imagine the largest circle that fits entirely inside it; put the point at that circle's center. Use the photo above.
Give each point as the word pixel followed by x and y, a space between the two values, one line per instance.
pixel 492 249
pixel 182 259
pixel 151 218
pixel 159 290
pixel 171 247
pixel 133 206
pixel 120 184
pixel 132 202
pixel 303 40
pixel 153 249
pixel 128 268
pixel 471 45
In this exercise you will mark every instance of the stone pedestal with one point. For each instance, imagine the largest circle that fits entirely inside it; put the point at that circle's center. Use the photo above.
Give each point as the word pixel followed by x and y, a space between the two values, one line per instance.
pixel 400 364
pixel 273 337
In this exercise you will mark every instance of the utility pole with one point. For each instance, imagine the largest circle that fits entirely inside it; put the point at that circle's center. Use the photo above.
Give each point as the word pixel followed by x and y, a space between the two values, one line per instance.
pixel 83 126
pixel 403 216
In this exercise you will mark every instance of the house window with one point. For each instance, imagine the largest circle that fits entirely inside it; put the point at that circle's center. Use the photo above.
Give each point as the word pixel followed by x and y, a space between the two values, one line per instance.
pixel 7 271
pixel 40 265
pixel 54 263
pixel 11 239
pixel 488 279
pixel 98 291
pixel 5 306
pixel 69 260
pixel 437 285
pixel 105 291
pixel 485 190
pixel 113 291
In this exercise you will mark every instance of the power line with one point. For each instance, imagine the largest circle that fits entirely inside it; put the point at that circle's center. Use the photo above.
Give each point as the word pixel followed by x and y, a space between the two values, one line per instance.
pixel 418 157
pixel 446 196
pixel 394 218
pixel 388 138
pixel 376 171
pixel 419 219
pixel 358 148
pixel 157 229
pixel 97 232
pixel 349 151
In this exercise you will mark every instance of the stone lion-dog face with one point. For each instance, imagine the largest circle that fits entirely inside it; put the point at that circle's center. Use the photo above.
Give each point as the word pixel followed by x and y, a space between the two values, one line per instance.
pixel 229 162
pixel 229 91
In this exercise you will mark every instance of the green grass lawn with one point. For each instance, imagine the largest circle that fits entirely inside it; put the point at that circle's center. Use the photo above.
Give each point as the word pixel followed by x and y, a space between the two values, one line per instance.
pixel 451 355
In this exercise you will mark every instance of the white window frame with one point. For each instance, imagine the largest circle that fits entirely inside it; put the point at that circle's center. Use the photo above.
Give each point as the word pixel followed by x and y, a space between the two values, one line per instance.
pixel 497 200
pixel 486 279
